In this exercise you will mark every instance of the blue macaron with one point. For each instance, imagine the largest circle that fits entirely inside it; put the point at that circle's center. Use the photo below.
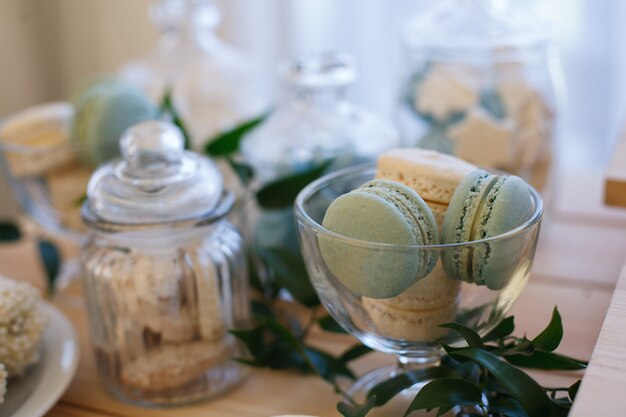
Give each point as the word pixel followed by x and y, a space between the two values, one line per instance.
pixel 382 212
pixel 103 111
pixel 483 206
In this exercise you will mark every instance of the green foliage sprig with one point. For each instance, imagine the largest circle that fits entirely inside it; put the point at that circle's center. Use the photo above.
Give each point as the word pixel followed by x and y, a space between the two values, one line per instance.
pixel 485 375
pixel 482 378
pixel 282 344
pixel 168 109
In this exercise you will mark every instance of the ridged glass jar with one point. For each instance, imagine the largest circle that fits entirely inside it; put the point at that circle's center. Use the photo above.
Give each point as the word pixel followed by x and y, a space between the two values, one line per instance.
pixel 165 272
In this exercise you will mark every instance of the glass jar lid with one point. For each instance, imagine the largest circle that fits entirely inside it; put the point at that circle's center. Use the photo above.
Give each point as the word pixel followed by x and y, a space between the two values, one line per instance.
pixel 496 25
pixel 155 182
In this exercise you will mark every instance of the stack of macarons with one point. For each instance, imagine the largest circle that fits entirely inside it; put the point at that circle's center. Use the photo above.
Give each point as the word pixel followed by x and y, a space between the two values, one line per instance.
pixel 421 198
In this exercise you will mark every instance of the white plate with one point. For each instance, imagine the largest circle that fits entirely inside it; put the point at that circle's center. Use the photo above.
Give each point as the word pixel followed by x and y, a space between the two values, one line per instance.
pixel 43 384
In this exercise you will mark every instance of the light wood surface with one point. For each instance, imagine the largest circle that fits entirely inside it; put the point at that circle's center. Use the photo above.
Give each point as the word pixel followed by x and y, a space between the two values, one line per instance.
pixel 577 266
pixel 603 389
pixel 615 186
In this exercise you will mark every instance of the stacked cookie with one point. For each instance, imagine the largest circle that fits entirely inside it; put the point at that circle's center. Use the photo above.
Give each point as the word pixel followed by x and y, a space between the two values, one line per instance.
pixel 416 312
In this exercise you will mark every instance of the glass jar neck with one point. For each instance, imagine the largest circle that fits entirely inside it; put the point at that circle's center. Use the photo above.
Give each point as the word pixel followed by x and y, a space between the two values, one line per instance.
pixel 182 21
pixel 318 97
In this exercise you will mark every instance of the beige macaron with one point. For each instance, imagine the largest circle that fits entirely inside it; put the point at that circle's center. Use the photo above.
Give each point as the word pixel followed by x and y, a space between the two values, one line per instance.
pixel 433 175
pixel 410 325
pixel 435 291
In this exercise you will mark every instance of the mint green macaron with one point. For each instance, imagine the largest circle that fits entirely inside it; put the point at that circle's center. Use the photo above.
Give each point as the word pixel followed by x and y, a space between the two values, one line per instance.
pixel 485 205
pixel 379 211
pixel 103 111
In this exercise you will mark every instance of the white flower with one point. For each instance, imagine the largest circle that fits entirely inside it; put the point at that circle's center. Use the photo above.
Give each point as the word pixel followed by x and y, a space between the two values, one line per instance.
pixel 21 326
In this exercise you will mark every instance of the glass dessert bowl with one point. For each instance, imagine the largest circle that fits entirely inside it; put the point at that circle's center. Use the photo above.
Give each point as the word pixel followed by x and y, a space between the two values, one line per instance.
pixel 407 324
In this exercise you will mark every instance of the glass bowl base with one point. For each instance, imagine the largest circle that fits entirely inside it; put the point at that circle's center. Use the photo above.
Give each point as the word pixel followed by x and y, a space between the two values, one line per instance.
pixel 398 405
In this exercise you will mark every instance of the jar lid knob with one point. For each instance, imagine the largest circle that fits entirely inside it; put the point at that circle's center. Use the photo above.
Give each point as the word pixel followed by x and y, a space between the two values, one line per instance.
pixel 152 145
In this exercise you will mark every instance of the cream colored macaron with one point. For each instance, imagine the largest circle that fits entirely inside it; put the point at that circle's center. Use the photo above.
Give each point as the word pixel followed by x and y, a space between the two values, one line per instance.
pixel 410 325
pixel 433 175
pixel 435 291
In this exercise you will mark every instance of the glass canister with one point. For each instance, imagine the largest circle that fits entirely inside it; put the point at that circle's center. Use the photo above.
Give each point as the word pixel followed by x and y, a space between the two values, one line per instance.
pixel 479 83
pixel 214 86
pixel 313 125
pixel 164 270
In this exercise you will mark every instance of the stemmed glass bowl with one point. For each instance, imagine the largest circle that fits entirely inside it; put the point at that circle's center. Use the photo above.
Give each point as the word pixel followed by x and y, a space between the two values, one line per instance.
pixel 407 325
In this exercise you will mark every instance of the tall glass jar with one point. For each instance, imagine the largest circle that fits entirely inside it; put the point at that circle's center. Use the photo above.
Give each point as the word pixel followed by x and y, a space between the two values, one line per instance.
pixel 314 124
pixel 165 273
pixel 479 83
pixel 214 86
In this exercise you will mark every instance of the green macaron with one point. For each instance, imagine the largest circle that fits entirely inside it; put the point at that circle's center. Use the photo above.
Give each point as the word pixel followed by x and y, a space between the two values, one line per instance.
pixel 103 111
pixel 485 205
pixel 379 211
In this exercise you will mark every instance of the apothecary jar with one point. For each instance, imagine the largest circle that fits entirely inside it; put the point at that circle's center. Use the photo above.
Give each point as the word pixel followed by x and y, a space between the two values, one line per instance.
pixel 165 275
pixel 480 82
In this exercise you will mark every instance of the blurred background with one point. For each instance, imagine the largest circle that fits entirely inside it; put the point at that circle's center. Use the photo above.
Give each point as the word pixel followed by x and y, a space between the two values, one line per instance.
pixel 50 47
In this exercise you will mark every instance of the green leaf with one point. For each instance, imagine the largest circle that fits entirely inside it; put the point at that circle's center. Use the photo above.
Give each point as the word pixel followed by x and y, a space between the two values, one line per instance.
pixel 329 324
pixel 349 410
pixel 546 360
pixel 444 409
pixel 260 309
pixel 243 171
pixel 550 338
pixel 167 106
pixel 282 193
pixel 507 406
pixel 9 232
pixel 327 366
pixel 471 337
pixel 290 273
pixel 285 335
pixel 573 390
pixel 253 339
pixel 444 392
pixel 386 390
pixel 505 328
pixel 519 385
pixel 51 260
pixel 227 143
pixel 353 353
pixel 522 346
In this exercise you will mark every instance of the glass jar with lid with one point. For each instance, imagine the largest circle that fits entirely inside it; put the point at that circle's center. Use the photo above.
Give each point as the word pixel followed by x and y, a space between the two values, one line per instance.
pixel 313 125
pixel 479 82
pixel 164 270
pixel 213 85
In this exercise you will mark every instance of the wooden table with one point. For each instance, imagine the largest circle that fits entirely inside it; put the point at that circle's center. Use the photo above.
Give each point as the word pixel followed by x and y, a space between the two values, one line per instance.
pixel 581 252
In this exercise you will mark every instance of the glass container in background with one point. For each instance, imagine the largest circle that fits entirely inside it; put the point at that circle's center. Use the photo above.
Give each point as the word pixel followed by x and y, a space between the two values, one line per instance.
pixel 479 83
pixel 165 272
pixel 214 87
pixel 313 125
